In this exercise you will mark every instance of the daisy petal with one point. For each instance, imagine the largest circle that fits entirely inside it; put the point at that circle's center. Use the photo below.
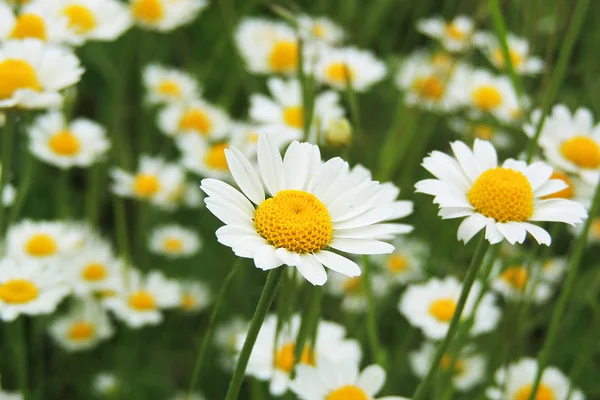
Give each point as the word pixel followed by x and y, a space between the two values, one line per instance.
pixel 470 226
pixel 270 164
pixel 312 270
pixel 514 232
pixel 244 175
pixel 338 263
pixel 266 259
pixel 371 380
pixel 361 246
pixel 539 234
pixel 289 258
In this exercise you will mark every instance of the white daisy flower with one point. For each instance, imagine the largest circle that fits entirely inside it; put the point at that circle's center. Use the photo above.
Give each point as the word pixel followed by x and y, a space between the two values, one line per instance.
pixel 570 142
pixel 79 143
pixel 320 30
pixel 431 305
pixel 553 269
pixel 144 298
pixel 29 288
pixel 486 94
pixel 517 381
pixel 455 35
pixel 194 117
pixel 481 130
pixel 174 241
pixel 351 290
pixel 406 263
pixel 518 50
pixel 106 384
pixel 83 328
pixel 95 269
pixel 315 206
pixel 501 199
pixel 165 15
pixel 33 22
pixel 225 338
pixel 336 66
pixel 33 74
pixel 515 283
pixel 273 358
pixel 166 85
pixel 41 241
pixel 334 380
pixel 194 296
pixel 468 371
pixel 203 158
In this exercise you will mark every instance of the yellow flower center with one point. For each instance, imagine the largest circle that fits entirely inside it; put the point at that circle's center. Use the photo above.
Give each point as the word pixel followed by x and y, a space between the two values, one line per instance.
pixel 454 32
pixel 173 245
pixel 348 392
pixel 581 151
pixel 397 263
pixel 543 393
pixel 319 30
pixel 484 132
pixel 352 285
pixel 252 137
pixel 503 194
pixel 169 88
pixel 15 75
pixel 195 120
pixel 145 185
pixel 149 11
pixel 285 357
pixel 215 157
pixel 142 301
pixel 516 276
pixel 459 365
pixel 294 220
pixel 566 193
pixel 339 72
pixel 41 245
pixel 284 56
pixel 487 97
pixel 596 227
pixel 188 301
pixel 294 116
pixel 442 60
pixel 94 272
pixel 81 19
pixel 18 291
pixel 81 331
pixel 64 143
pixel 430 87
pixel 443 309
pixel 515 58
pixel 29 26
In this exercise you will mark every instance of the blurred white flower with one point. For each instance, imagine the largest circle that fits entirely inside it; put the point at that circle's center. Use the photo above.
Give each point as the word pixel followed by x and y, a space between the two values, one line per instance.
pixel 174 241
pixel 166 85
pixel 454 35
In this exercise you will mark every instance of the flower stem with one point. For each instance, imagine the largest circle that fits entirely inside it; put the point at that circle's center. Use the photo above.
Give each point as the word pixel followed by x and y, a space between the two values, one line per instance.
pixel 92 194
pixel 353 103
pixel 474 267
pixel 372 315
pixel 62 194
pixel 7 151
pixel 25 181
pixel 20 346
pixel 310 321
pixel 266 298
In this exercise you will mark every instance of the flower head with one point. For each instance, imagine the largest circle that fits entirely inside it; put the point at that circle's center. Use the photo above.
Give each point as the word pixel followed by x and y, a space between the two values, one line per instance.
pixel 454 35
pixel 165 15
pixel 174 241
pixel 169 85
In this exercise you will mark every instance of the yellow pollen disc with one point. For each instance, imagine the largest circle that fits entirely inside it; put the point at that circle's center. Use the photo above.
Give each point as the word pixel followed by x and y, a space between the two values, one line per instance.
pixel 454 32
pixel 169 88
pixel 149 11
pixel 145 185
pixel 285 358
pixel 29 26
pixel 294 116
pixel 544 392
pixel 498 58
pixel 294 220
pixel 41 245
pixel 188 301
pixel 443 309
pixel 339 73
pixel 503 194
pixel 352 285
pixel 64 143
pixel 348 392
pixel 459 365
pixel 430 87
pixel 595 228
pixel 487 97
pixel 516 276
pixel 195 120
pixel 173 245
pixel 397 263
pixel 18 291
pixel 284 56
pixel 484 132
pixel 566 193
pixel 94 272
pixel 318 30
pixel 142 301
pixel 81 331
pixel 215 157
pixel 81 19
pixel 581 151
pixel 15 75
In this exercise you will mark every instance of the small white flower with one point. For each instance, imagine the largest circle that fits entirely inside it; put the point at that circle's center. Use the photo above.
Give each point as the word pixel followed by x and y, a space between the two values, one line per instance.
pixel 515 283
pixel 406 263
pixel 169 85
pixel 194 296
pixel 10 395
pixel 455 35
pixel 42 241
pixel 174 241
pixel 94 269
pixel 204 158
pixel 194 117
pixel 165 15
pixel 106 384
pixel 518 49
pixel 320 30
pixel 34 22
pixel 352 291
pixel 553 269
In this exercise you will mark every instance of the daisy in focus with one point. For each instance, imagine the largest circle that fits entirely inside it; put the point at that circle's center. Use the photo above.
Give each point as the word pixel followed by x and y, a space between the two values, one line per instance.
pixel 165 15
pixel 33 22
pixel 503 200
pixel 315 206
pixel 518 49
pixel 352 290
pixel 166 85
pixel 174 241
pixel 516 283
pixel 194 296
pixel 44 241
pixel 406 263
pixel 455 35
pixel 196 116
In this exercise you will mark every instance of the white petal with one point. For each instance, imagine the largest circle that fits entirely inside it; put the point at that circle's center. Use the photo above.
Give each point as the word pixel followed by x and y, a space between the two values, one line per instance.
pixel 270 164
pixel 492 234
pixel 218 189
pixel 485 154
pixel 538 173
pixel 369 217
pixel 371 231
pixel 288 257
pixel 296 165
pixel 470 226
pixel 229 215
pixel 549 187
pixel 266 259
pixel 338 263
pixel 244 175
pixel 361 246
pixel 371 380
pixel 512 231
pixel 454 212
pixel 312 270
pixel 539 234
pixel 466 159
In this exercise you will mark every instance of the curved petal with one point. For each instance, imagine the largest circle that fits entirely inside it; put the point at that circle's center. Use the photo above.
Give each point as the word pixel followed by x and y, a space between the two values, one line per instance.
pixel 539 234
pixel 371 380
pixel 338 263
pixel 270 164
pixel 514 232
pixel 244 175
pixel 470 226
pixel 312 270
pixel 361 246
pixel 265 258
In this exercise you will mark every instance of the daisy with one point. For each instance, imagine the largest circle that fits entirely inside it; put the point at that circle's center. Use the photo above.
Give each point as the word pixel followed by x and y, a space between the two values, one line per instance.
pixel 225 338
pixel 41 241
pixel 174 241
pixel 553 269
pixel 320 30
pixel 194 117
pixel 468 371
pixel 501 199
pixel 577 189
pixel 79 143
pixel 29 288
pixel 518 49
pixel 515 283
pixel 406 263
pixel 273 359
pixel 33 74
pixel 455 35
pixel 431 305
pixel 481 130
pixel 106 384
pixel 570 142
pixel 204 158
pixel 166 85
pixel 165 15
pixel 337 132
pixel 352 290
pixel 33 22
pixel 517 381
pixel 83 328
pixel 315 206
pixel 94 269
pixel 194 296
pixel 486 94
pixel 332 380
pixel 336 66
pixel 144 298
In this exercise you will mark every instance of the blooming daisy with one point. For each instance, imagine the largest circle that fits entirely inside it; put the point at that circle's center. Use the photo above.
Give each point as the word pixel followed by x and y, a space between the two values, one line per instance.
pixel 225 338
pixel 518 49
pixel 79 143
pixel 94 269
pixel 516 383
pixel 195 116
pixel 516 282
pixel 320 30
pixel 501 199
pixel 106 384
pixel 83 328
pixel 33 22
pixel 144 298
pixel 481 130
pixel 33 74
pixel 406 263
pixel 431 305
pixel 194 296
pixel 455 35
pixel 468 371
pixel 352 290
pixel 273 358
pixel 166 85
pixel 336 66
pixel 165 15
pixel 315 206
pixel 174 241
pixel 486 94
pixel 29 288
pixel 41 241
pixel 204 158
pixel 553 269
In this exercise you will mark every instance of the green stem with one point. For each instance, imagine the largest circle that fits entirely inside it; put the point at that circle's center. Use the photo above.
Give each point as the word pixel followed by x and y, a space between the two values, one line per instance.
pixel 306 85
pixel 25 182
pixel 266 298
pixel 371 315
pixel 474 267
pixel 20 346
pixel 310 321
pixel 121 227
pixel 585 355
pixel 7 150
pixel 396 141
pixel 92 194
pixel 353 103
pixel 62 194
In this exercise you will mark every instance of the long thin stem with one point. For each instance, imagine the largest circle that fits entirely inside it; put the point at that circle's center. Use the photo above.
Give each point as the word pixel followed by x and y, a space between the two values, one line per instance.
pixel 309 321
pixel 266 298
pixel 25 181
pixel 371 315
pixel 353 102
pixel 121 227
pixel 585 356
pixel 20 346
pixel 7 150
pixel 92 194
pixel 467 285
pixel 62 194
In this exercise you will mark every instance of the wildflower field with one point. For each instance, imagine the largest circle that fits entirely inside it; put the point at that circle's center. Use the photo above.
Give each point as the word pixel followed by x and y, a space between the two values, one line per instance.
pixel 315 200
